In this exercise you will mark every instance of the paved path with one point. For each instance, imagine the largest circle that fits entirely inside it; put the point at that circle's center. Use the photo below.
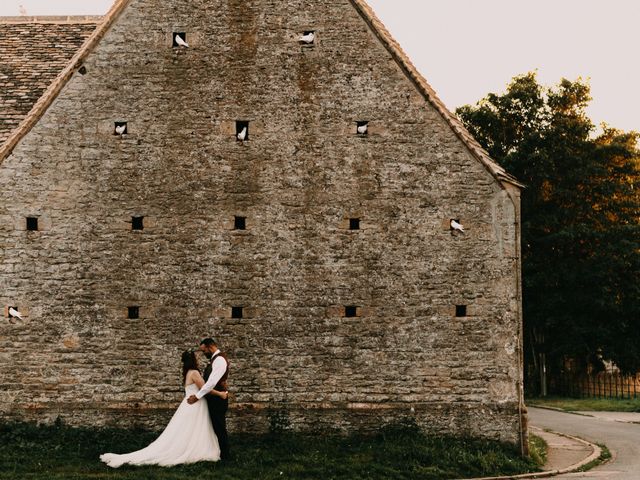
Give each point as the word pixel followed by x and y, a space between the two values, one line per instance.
pixel 615 416
pixel 564 452
pixel 623 439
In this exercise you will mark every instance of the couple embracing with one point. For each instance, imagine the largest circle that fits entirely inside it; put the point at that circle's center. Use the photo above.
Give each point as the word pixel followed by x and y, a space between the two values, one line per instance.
pixel 197 431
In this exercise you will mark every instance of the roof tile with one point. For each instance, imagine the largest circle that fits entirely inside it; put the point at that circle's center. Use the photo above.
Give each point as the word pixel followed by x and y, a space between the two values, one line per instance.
pixel 32 55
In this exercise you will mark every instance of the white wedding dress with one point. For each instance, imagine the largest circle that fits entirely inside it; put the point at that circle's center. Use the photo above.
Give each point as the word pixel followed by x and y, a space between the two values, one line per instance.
pixel 189 438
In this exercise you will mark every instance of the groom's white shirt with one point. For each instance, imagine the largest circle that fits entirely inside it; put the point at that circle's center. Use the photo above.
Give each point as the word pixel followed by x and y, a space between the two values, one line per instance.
pixel 218 368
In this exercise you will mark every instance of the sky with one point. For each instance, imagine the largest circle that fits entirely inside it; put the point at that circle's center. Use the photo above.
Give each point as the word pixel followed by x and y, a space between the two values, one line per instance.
pixel 468 48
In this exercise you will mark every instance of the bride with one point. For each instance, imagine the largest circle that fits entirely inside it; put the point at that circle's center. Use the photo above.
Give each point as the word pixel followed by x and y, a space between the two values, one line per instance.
pixel 189 436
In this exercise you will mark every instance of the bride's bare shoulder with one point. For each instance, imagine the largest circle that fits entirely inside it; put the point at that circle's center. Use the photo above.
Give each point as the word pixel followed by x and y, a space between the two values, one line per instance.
pixel 193 376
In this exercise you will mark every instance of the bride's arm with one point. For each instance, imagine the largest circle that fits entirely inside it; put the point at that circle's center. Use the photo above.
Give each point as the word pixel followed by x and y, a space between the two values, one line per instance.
pixel 223 395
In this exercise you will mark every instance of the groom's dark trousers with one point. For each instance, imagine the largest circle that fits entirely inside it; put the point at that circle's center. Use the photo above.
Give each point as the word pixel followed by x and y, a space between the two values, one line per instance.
pixel 218 407
pixel 218 411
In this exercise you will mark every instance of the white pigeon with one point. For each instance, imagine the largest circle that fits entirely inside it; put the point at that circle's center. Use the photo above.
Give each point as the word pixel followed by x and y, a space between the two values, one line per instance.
pixel 14 313
pixel 180 41
pixel 363 129
pixel 456 226
pixel 309 38
pixel 120 129
pixel 243 134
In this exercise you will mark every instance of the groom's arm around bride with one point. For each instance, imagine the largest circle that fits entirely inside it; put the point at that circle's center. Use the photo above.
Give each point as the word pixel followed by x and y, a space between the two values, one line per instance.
pixel 218 368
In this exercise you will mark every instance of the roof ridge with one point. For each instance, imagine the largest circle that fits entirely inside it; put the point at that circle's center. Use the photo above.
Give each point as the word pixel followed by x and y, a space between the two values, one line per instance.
pixel 51 19
pixel 45 101
pixel 456 125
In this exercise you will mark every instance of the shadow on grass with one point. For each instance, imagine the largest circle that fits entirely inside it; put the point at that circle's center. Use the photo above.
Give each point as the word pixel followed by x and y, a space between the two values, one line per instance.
pixel 397 452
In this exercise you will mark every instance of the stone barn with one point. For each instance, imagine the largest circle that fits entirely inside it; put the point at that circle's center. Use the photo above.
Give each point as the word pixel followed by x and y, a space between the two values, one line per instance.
pixel 286 183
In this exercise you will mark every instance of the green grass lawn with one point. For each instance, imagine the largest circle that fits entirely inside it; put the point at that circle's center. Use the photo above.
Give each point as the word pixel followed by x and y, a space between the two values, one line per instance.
pixel 586 404
pixel 538 449
pixel 605 456
pixel 58 452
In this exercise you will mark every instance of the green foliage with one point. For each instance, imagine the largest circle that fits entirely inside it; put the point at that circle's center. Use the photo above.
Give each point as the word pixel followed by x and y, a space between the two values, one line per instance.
pixel 605 456
pixel 397 452
pixel 278 421
pixel 580 220
pixel 538 449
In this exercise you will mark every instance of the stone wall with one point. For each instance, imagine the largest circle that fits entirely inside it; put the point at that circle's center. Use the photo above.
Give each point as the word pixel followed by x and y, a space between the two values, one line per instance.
pixel 298 180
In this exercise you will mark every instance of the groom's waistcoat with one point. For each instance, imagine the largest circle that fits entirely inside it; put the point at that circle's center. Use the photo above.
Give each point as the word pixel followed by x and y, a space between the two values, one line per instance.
pixel 221 386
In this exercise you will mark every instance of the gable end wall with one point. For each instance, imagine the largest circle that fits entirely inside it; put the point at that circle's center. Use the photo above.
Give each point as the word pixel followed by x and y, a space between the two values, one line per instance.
pixel 301 176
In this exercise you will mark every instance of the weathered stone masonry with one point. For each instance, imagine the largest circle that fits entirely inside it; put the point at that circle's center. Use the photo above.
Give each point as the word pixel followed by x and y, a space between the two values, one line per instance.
pixel 301 177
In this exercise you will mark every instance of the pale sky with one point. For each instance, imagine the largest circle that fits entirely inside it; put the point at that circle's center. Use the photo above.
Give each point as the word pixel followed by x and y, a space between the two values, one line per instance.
pixel 468 48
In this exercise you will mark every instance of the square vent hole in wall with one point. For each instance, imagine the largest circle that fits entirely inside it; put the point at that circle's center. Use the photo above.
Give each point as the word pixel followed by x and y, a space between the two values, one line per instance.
pixel 239 223
pixel 120 128
pixel 350 311
pixel 308 38
pixel 455 226
pixel 461 311
pixel 32 224
pixel 13 312
pixel 242 130
pixel 354 224
pixel 180 40
pixel 362 128
pixel 237 312
pixel 133 312
pixel 137 223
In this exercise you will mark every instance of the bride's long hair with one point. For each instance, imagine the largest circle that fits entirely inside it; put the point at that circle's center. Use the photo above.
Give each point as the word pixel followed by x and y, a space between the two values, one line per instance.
pixel 189 362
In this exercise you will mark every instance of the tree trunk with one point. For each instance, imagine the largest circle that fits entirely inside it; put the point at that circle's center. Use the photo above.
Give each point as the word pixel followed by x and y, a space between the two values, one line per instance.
pixel 543 375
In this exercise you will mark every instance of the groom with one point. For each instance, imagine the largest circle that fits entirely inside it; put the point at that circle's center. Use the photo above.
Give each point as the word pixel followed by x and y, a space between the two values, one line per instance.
pixel 215 376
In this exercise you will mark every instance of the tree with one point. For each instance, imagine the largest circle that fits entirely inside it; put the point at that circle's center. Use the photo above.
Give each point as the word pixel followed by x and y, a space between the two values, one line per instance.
pixel 580 221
